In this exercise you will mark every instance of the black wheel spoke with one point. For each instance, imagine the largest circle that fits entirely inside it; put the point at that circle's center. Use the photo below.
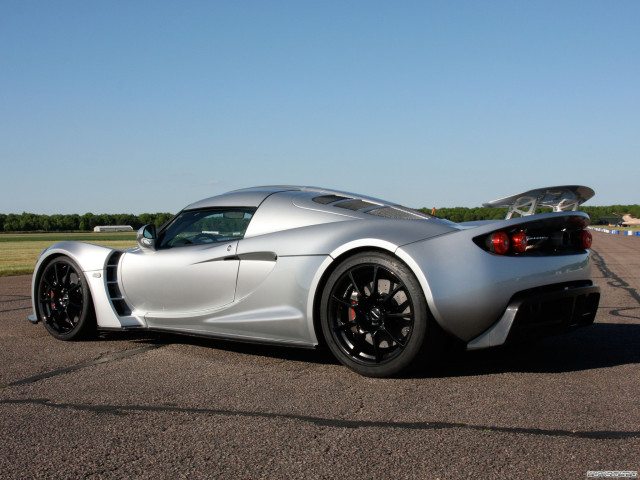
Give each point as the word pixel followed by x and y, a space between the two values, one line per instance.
pixel 68 323
pixel 359 345
pixel 355 285
pixel 75 306
pixel 407 315
pixel 374 283
pixel 376 347
pixel 342 301
pixel 56 276
pixel 394 338
pixel 403 306
pixel 344 326
pixel 66 279
pixel 46 282
pixel 400 286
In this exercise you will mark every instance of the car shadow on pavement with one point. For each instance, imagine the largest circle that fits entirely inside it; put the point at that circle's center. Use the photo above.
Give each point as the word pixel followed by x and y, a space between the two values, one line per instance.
pixel 319 355
pixel 598 346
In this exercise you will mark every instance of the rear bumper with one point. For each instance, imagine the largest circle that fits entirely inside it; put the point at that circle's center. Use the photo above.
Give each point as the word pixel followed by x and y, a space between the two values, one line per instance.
pixel 542 312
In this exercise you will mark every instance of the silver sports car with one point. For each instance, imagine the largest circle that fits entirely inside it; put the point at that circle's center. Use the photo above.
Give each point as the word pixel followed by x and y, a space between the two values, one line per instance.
pixel 380 284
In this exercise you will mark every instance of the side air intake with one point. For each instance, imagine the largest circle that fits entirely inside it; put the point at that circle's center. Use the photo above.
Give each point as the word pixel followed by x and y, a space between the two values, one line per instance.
pixel 115 295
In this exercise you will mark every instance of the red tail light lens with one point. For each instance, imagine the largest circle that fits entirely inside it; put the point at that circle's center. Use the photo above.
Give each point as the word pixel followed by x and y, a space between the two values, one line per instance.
pixel 499 243
pixel 585 239
pixel 519 242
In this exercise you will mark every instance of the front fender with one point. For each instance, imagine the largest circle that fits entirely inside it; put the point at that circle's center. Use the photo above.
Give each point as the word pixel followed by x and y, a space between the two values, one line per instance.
pixel 89 257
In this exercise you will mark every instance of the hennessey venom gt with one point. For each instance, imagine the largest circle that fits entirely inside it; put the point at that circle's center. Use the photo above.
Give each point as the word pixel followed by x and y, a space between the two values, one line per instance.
pixel 380 284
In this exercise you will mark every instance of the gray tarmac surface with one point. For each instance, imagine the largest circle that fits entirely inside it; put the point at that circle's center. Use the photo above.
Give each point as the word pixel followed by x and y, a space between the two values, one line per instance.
pixel 158 406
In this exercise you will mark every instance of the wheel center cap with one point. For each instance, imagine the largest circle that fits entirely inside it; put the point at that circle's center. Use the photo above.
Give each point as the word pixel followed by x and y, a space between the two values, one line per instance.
pixel 64 300
pixel 376 316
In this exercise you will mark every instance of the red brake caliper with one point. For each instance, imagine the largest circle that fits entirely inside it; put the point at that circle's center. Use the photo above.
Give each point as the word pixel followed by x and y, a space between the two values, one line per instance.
pixel 352 312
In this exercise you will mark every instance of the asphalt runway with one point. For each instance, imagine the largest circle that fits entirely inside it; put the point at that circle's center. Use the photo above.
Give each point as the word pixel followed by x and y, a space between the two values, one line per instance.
pixel 158 406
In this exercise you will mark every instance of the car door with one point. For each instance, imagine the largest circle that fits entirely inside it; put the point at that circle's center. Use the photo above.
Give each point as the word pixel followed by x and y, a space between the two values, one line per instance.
pixel 180 281
pixel 191 273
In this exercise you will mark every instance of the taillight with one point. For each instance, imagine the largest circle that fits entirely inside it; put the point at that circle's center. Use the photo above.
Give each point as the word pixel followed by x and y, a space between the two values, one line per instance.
pixel 540 238
pixel 519 242
pixel 585 239
pixel 499 243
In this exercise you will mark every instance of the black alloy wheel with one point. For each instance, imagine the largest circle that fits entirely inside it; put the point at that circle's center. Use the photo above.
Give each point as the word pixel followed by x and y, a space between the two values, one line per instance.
pixel 374 315
pixel 64 300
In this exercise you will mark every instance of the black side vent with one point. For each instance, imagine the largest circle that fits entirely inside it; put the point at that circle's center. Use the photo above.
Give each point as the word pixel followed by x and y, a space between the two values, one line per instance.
pixel 327 199
pixel 115 295
pixel 391 212
pixel 355 205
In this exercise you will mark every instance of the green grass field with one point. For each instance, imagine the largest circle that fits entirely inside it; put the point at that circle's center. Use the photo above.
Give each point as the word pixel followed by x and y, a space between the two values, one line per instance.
pixel 19 252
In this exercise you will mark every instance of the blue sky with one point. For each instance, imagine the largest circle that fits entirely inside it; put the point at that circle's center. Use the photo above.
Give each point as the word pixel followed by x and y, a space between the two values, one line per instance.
pixel 146 106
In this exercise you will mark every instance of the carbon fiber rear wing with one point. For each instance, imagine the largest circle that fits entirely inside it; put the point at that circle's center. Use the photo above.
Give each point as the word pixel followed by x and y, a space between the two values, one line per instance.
pixel 561 199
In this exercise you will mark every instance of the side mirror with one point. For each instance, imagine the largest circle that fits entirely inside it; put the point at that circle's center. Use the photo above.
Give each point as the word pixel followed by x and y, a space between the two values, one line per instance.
pixel 146 237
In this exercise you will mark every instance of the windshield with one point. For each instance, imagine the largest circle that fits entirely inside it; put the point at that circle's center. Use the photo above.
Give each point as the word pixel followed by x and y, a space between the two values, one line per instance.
pixel 206 226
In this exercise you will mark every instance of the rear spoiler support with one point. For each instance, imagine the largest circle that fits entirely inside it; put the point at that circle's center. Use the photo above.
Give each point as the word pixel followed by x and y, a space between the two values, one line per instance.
pixel 561 199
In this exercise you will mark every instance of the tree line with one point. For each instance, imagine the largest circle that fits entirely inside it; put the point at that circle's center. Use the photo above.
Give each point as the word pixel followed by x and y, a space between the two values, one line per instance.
pixel 31 222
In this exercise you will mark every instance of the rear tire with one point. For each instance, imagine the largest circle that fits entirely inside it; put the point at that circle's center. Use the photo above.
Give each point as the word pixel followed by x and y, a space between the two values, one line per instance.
pixel 64 300
pixel 374 315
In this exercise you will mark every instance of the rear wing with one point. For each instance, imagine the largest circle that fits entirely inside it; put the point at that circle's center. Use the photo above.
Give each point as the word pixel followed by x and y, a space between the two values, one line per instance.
pixel 561 199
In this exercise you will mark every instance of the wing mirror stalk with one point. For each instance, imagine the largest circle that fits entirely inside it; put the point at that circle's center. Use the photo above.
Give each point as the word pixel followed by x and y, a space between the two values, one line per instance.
pixel 147 236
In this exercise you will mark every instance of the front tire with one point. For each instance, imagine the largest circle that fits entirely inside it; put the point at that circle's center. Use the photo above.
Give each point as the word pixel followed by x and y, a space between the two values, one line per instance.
pixel 64 300
pixel 374 315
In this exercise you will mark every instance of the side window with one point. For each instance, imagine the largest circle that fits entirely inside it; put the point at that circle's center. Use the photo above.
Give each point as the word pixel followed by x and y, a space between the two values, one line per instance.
pixel 206 226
